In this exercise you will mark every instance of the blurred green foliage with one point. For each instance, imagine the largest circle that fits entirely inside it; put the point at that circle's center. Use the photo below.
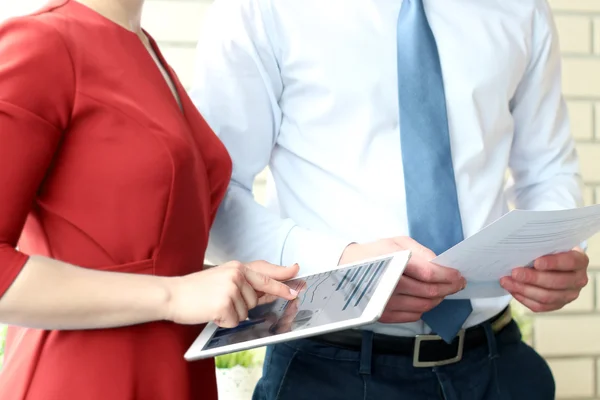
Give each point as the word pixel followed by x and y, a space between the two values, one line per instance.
pixel 524 319
pixel 247 358
pixel 2 337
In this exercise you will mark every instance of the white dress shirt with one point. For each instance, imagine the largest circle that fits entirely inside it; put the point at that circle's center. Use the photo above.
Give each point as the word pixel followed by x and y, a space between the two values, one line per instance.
pixel 309 88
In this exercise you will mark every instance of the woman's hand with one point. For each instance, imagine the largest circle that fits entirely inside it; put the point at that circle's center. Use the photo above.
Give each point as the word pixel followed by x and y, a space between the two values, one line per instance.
pixel 224 294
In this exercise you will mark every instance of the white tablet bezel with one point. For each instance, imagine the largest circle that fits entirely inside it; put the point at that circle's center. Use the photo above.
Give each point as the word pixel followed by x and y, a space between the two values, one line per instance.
pixel 372 313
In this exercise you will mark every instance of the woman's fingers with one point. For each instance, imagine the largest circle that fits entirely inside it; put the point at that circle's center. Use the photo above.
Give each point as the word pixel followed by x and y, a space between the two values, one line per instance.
pixel 273 271
pixel 262 283
pixel 266 298
pixel 249 295
pixel 239 291
pixel 227 313
pixel 249 287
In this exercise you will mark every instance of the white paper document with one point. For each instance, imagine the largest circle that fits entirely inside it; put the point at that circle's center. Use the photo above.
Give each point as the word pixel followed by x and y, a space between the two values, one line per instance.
pixel 516 240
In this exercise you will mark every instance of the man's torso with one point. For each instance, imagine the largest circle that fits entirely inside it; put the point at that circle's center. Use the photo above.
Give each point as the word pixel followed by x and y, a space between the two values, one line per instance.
pixel 339 142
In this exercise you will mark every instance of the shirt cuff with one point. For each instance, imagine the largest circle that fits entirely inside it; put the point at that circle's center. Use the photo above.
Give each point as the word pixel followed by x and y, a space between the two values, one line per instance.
pixel 314 252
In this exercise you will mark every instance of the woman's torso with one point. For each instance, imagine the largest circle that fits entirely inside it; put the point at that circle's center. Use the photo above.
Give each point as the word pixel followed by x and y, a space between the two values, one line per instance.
pixel 134 188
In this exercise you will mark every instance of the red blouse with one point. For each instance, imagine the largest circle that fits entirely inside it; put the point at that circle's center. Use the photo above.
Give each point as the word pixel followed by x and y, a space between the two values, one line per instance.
pixel 99 167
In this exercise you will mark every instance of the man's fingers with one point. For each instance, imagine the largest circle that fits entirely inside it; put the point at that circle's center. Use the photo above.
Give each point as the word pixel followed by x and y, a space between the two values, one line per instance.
pixel 412 287
pixel 408 243
pixel 425 271
pixel 405 303
pixel 393 317
pixel 552 298
pixel 567 261
pixel 532 304
pixel 262 283
pixel 274 271
pixel 556 280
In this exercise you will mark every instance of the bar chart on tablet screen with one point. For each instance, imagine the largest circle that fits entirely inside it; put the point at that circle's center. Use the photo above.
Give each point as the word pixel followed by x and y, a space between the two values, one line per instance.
pixel 350 287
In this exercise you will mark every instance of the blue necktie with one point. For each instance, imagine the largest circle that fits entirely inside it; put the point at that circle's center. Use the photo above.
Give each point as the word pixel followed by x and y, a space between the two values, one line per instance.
pixel 431 199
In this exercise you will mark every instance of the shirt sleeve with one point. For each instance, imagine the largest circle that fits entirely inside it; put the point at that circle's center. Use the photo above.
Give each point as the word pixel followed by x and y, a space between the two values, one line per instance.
pixel 544 163
pixel 36 90
pixel 237 86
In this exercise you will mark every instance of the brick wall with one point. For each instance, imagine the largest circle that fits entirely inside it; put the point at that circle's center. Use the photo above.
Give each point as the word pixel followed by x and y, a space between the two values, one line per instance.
pixel 569 339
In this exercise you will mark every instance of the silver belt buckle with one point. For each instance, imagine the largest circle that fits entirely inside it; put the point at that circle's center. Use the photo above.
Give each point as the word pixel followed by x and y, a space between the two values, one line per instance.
pixel 427 364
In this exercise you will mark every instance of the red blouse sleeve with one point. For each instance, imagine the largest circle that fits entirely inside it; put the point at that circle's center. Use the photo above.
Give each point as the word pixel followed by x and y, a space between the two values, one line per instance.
pixel 36 95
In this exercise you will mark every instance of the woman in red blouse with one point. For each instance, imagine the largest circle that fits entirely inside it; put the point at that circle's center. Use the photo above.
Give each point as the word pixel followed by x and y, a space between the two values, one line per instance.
pixel 109 182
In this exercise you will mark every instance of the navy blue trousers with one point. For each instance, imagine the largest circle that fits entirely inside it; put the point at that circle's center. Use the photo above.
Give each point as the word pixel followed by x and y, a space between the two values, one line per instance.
pixel 504 368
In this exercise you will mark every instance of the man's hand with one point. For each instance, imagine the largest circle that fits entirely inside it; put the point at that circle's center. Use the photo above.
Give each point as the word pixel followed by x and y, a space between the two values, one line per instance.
pixel 423 286
pixel 553 282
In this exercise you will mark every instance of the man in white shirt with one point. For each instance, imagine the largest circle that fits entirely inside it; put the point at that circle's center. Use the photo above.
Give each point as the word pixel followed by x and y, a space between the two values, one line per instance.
pixel 354 105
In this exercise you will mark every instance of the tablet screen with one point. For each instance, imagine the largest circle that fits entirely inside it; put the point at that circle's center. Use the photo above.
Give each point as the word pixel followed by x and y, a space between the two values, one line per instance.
pixel 324 298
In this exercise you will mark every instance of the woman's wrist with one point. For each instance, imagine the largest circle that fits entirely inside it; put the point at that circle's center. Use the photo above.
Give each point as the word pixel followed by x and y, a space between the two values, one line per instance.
pixel 168 287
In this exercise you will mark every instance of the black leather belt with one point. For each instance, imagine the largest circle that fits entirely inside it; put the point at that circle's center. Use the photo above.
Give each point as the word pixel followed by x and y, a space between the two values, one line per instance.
pixel 426 350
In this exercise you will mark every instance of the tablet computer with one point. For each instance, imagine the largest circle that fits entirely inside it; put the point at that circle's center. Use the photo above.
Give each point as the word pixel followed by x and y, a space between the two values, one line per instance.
pixel 347 296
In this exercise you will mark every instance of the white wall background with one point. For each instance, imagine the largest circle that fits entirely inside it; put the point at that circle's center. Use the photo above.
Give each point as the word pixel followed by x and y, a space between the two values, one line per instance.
pixel 174 24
